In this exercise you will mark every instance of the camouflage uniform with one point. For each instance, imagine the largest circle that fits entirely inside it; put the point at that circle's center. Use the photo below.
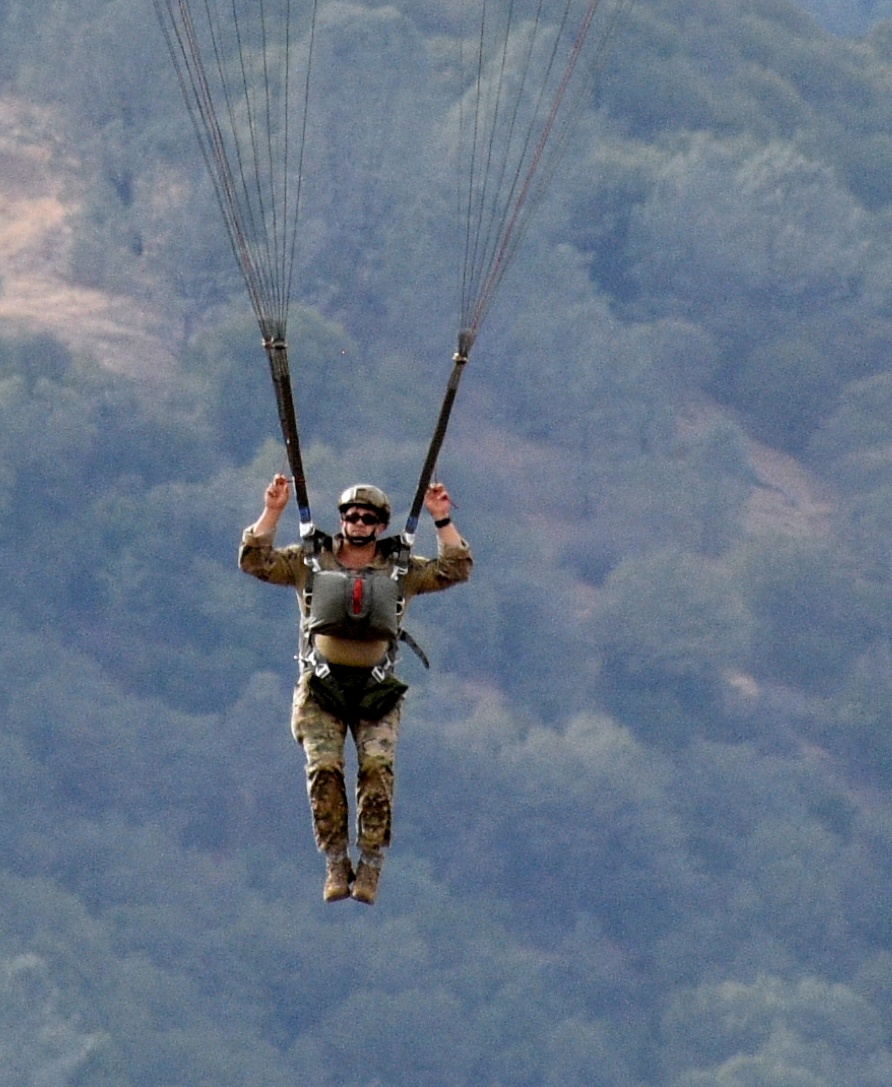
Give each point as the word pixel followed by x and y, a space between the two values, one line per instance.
pixel 322 731
pixel 322 736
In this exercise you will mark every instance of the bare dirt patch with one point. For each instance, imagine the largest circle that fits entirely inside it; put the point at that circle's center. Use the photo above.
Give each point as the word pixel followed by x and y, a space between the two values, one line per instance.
pixel 40 178
pixel 787 500
pixel 784 499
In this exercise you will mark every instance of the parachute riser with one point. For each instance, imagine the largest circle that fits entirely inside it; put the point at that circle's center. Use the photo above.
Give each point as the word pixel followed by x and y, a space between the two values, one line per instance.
pixel 459 361
pixel 277 353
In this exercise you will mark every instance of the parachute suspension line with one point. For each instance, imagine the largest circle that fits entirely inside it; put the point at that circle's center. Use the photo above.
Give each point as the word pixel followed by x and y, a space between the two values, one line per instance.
pixel 509 242
pixel 230 186
pixel 262 166
pixel 561 118
pixel 537 145
pixel 476 206
pixel 465 200
pixel 484 229
pixel 180 35
pixel 564 123
pixel 266 212
pixel 261 267
pixel 238 84
pixel 292 258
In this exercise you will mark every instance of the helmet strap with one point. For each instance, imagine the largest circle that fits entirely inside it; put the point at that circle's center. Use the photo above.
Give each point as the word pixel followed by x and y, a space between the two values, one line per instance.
pixel 359 541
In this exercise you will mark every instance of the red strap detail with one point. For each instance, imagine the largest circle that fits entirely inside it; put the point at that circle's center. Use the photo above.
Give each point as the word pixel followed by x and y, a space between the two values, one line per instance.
pixel 357 596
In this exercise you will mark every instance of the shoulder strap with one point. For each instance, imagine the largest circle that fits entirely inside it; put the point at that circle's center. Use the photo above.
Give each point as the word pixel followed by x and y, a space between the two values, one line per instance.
pixel 313 545
pixel 406 637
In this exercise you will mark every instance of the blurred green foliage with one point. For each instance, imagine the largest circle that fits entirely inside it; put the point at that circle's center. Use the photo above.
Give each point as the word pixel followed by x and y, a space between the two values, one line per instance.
pixel 643 834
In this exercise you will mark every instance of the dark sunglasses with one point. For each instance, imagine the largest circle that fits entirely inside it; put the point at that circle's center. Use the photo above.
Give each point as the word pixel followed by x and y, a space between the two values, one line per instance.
pixel 361 518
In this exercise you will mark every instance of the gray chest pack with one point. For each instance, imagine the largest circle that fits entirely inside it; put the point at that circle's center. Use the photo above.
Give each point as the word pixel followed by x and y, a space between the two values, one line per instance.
pixel 361 605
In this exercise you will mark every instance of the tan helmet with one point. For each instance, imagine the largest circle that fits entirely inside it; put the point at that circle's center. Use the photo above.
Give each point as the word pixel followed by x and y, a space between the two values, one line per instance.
pixel 364 494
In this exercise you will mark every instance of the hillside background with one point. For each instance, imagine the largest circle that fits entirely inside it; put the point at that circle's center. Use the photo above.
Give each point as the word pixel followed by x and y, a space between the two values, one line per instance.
pixel 644 827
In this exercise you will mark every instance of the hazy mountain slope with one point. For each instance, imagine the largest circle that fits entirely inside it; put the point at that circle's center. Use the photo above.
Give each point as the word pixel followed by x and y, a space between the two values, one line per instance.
pixel 643 828
pixel 43 182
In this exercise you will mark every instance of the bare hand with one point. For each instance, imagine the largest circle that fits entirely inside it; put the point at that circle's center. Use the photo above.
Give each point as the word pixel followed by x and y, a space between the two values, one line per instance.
pixel 277 494
pixel 437 501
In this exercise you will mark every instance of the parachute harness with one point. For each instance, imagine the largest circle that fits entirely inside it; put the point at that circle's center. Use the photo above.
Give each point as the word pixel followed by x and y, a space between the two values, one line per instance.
pixel 345 602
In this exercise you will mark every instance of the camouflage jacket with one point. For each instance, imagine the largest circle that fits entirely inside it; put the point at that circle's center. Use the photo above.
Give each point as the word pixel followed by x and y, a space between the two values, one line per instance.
pixel 286 566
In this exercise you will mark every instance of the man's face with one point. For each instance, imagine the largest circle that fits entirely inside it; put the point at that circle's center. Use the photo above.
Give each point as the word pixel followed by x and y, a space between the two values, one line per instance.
pixel 360 525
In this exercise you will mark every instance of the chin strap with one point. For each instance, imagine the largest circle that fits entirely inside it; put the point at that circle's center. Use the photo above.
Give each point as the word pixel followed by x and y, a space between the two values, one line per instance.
pixel 360 543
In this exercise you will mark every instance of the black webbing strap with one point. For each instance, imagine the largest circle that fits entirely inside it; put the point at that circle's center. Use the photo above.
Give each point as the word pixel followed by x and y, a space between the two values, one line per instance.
pixel 277 352
pixel 405 636
pixel 459 360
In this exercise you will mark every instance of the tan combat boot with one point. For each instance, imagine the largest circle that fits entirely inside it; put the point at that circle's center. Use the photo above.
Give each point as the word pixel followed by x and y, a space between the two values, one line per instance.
pixel 338 877
pixel 365 889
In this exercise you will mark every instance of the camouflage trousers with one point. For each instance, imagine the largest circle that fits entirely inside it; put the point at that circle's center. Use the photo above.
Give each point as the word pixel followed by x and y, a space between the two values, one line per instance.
pixel 323 735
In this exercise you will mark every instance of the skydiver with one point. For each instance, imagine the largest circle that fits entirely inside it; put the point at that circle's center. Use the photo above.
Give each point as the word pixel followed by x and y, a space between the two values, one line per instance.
pixel 350 626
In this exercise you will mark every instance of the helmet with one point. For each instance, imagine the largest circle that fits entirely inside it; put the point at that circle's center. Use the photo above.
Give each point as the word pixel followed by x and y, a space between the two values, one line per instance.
pixel 364 494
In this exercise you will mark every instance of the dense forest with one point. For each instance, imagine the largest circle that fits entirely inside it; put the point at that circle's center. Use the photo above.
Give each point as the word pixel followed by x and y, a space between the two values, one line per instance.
pixel 644 825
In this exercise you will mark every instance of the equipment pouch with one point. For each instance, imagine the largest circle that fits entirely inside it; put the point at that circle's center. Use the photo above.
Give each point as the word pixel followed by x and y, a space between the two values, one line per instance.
pixel 358 698
pixel 358 605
